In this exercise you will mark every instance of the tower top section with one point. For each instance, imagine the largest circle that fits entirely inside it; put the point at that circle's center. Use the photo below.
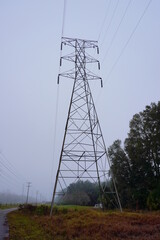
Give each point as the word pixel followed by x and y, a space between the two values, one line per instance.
pixel 77 42
pixel 80 58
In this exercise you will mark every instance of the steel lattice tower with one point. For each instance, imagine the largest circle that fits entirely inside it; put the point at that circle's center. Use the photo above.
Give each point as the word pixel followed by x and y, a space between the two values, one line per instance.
pixel 83 155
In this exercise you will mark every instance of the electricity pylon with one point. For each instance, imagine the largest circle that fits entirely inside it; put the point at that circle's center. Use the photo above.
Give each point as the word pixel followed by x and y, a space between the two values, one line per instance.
pixel 83 154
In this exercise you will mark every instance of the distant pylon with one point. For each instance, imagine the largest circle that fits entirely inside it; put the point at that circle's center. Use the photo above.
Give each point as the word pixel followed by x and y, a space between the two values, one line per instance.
pixel 83 154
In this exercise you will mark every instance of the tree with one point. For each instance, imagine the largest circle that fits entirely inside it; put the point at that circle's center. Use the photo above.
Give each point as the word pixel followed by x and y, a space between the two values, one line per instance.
pixel 121 169
pixel 82 193
pixel 139 162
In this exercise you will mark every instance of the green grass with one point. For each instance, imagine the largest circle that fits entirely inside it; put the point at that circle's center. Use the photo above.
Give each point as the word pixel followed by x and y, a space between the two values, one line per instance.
pixel 72 207
pixel 6 206
pixel 23 227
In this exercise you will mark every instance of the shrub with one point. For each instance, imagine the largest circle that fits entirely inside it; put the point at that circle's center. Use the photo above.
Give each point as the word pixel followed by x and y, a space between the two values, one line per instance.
pixel 153 200
pixel 64 210
pixel 42 210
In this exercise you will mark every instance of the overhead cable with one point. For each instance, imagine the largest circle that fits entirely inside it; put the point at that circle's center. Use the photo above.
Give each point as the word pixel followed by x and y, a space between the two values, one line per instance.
pixel 8 169
pixel 128 40
pixel 112 17
pixel 117 29
pixel 10 166
pixel 106 15
pixel 57 98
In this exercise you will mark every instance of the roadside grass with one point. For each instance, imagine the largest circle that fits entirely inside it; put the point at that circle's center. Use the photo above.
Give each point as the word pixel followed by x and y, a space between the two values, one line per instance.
pixel 73 207
pixel 24 227
pixel 76 223
pixel 6 206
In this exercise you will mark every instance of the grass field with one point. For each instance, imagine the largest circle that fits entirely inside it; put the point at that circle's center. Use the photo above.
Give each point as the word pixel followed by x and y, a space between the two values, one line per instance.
pixel 84 224
pixel 5 206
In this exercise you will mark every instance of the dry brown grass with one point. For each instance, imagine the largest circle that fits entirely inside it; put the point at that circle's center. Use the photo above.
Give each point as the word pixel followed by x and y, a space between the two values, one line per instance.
pixel 89 224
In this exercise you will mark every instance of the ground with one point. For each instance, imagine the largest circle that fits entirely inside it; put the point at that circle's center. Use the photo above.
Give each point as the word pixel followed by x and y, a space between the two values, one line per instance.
pixel 84 224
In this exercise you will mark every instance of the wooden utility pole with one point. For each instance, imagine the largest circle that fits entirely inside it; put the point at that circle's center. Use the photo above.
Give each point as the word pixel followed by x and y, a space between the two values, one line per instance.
pixel 28 187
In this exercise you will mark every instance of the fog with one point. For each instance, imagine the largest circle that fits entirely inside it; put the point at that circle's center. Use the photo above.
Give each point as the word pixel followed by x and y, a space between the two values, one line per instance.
pixel 29 58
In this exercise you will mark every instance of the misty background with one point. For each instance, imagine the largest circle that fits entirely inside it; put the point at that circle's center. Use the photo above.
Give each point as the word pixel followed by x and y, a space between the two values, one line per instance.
pixel 128 34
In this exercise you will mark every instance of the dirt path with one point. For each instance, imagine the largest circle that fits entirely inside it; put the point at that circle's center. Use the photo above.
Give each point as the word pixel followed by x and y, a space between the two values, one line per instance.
pixel 4 230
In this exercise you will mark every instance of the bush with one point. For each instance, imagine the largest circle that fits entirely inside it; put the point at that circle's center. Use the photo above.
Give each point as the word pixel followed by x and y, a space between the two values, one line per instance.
pixel 55 210
pixel 27 208
pixel 42 210
pixel 39 210
pixel 64 210
pixel 153 200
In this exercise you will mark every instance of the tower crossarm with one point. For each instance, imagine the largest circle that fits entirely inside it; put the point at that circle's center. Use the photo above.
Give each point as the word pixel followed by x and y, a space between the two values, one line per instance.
pixel 75 42
pixel 71 57
pixel 81 59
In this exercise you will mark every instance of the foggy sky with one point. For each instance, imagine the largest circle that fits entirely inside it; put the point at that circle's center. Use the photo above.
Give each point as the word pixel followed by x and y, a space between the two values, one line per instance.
pixel 30 33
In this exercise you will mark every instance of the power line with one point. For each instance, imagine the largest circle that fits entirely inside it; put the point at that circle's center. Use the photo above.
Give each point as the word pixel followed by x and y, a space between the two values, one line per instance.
pixel 2 179
pixel 128 40
pixel 117 29
pixel 106 15
pixel 64 14
pixel 10 166
pixel 8 169
pixel 55 130
pixel 112 17
pixel 6 177
pixel 2 154
pixel 57 98
pixel 8 172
